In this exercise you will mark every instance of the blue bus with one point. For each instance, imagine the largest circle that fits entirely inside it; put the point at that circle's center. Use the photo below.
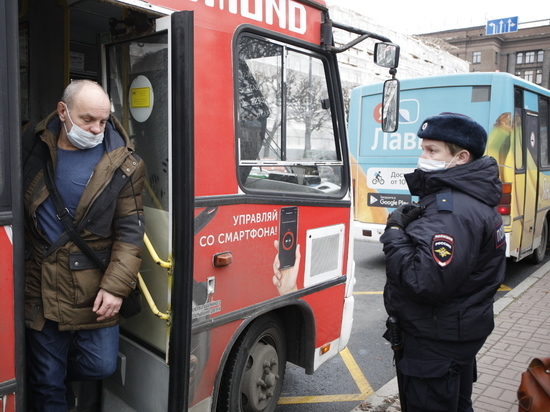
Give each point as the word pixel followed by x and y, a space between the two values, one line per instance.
pixel 515 114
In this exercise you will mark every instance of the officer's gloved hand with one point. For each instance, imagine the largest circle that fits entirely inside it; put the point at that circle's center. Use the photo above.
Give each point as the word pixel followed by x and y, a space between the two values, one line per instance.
pixel 403 215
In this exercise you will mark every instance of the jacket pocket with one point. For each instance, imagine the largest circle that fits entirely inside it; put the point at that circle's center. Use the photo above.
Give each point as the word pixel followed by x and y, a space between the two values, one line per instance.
pixel 81 261
pixel 86 277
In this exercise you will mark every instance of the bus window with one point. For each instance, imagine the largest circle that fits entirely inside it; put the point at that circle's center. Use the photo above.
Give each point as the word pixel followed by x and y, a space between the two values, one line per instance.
pixel 285 128
pixel 543 133
pixel 481 94
pixel 518 133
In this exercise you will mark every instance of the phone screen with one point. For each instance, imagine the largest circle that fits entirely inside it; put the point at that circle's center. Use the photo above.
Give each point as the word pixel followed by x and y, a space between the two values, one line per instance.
pixel 287 237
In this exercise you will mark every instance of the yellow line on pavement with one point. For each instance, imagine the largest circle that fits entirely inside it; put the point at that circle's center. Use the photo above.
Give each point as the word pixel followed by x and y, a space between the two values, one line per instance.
pixel 291 400
pixel 357 376
pixel 503 288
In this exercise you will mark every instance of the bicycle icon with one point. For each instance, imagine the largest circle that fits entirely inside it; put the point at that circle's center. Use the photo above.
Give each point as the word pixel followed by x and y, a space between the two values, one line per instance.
pixel 378 179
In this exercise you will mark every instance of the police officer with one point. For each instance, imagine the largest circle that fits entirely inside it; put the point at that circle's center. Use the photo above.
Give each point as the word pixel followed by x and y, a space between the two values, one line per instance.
pixel 445 260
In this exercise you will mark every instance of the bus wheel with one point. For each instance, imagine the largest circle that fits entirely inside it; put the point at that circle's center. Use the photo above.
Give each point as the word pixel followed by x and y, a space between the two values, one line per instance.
pixel 253 377
pixel 540 252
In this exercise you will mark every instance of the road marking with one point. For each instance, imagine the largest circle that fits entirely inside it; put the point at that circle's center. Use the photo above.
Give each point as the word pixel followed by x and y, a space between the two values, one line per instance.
pixel 355 370
pixel 358 377
pixel 503 288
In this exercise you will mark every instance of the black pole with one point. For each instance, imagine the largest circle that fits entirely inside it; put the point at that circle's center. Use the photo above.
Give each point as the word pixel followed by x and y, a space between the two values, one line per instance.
pixel 183 207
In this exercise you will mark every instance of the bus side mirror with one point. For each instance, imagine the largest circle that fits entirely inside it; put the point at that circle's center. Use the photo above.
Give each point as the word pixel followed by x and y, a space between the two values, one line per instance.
pixel 390 106
pixel 386 55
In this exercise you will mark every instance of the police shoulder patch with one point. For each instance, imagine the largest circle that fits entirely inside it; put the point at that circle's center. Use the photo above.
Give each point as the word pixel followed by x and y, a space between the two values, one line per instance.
pixel 443 247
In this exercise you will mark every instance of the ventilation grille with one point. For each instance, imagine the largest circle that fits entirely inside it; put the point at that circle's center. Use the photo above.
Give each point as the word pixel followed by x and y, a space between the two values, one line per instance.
pixel 324 254
pixel 324 251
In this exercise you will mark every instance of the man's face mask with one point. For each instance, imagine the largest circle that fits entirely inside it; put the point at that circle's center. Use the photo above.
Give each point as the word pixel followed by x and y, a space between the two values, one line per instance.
pixel 430 165
pixel 81 138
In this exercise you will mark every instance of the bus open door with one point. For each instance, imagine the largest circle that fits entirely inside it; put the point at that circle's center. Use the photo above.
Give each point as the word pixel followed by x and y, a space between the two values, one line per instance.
pixel 529 129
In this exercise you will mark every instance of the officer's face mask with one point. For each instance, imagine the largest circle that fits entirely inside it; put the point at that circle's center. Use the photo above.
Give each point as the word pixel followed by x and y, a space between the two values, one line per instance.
pixel 430 165
pixel 81 138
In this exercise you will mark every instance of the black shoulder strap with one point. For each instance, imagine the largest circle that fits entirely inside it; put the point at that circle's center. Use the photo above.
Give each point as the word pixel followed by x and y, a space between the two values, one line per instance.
pixel 65 217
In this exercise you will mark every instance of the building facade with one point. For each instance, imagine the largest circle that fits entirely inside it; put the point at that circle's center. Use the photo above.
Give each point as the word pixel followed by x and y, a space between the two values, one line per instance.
pixel 525 52
pixel 419 56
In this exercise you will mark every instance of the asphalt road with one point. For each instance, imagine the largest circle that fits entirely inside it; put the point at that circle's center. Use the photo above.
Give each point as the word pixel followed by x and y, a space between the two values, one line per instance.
pixel 366 365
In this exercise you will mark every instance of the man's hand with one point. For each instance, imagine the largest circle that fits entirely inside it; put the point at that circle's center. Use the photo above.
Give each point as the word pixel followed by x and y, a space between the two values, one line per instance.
pixel 403 215
pixel 106 305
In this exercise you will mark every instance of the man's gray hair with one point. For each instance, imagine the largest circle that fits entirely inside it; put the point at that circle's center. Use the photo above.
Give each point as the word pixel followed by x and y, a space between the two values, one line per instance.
pixel 74 88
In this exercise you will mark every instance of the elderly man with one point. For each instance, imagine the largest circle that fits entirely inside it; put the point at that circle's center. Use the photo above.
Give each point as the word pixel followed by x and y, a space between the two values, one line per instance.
pixel 71 303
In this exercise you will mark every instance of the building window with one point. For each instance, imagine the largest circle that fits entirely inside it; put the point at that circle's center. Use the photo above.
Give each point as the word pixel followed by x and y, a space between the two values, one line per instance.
pixel 539 77
pixel 530 57
pixel 540 56
pixel 519 58
pixel 476 57
pixel 529 75
pixel 496 57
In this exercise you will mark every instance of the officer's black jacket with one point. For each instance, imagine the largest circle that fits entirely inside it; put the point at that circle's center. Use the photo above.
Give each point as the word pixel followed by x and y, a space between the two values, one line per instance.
pixel 444 269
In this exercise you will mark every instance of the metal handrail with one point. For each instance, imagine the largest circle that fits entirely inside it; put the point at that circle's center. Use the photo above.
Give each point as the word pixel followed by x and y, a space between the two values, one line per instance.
pixel 145 290
pixel 143 286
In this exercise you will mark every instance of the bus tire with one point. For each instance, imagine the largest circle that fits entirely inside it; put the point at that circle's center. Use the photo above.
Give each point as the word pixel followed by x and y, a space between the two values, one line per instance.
pixel 253 376
pixel 540 252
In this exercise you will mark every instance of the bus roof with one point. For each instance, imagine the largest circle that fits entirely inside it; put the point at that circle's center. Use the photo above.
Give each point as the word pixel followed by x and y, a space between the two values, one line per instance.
pixel 459 79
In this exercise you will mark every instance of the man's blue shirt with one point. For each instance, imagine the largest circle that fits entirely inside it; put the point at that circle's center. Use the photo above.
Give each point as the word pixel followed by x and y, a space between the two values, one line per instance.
pixel 72 174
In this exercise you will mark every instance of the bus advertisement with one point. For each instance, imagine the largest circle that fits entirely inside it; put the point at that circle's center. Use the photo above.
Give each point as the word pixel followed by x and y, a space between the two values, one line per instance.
pixel 236 109
pixel 515 115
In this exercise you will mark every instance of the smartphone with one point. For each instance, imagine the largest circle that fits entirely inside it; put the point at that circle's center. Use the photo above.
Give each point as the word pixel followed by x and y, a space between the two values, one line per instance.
pixel 287 236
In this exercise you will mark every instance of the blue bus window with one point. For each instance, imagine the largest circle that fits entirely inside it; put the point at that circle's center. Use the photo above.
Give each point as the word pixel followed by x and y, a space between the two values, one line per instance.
pixel 481 94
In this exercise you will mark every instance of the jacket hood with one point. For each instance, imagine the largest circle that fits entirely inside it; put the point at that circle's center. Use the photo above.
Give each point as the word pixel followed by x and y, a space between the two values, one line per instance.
pixel 478 179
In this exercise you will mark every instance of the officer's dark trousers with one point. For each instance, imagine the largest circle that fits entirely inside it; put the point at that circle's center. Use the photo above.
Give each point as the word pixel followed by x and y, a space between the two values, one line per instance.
pixel 438 376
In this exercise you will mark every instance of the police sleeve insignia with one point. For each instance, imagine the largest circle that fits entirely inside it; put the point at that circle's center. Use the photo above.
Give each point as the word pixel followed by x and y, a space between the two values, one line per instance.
pixel 443 249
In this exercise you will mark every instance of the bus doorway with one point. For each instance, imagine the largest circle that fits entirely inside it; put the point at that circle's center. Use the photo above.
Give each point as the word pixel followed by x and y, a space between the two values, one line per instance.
pixel 125 49
pixel 530 141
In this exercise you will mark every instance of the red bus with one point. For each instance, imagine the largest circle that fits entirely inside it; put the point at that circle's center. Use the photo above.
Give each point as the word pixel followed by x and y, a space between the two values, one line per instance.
pixel 236 108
